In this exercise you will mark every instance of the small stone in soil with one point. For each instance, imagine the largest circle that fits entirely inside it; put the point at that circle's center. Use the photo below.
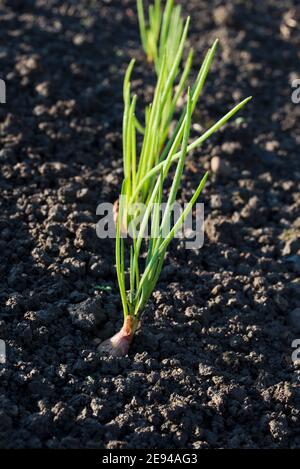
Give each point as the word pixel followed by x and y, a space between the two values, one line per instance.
pixel 219 166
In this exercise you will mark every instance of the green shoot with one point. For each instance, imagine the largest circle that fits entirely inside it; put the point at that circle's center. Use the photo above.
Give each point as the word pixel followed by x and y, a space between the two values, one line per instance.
pixel 161 32
pixel 163 38
pixel 103 288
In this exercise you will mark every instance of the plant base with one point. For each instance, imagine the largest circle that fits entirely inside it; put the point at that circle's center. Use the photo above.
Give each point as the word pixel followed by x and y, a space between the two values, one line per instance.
pixel 118 345
pixel 123 229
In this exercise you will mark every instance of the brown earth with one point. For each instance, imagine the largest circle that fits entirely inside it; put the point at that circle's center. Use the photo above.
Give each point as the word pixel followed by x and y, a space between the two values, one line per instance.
pixel 211 366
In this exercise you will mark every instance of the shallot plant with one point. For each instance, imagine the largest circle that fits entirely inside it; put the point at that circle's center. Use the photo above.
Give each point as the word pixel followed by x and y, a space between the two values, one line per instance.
pixel 139 258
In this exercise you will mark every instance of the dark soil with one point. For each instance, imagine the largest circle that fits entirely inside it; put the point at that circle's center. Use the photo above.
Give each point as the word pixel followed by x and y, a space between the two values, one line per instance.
pixel 211 366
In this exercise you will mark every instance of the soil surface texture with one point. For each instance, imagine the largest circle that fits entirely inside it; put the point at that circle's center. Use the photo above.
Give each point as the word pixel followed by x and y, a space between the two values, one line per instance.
pixel 211 366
